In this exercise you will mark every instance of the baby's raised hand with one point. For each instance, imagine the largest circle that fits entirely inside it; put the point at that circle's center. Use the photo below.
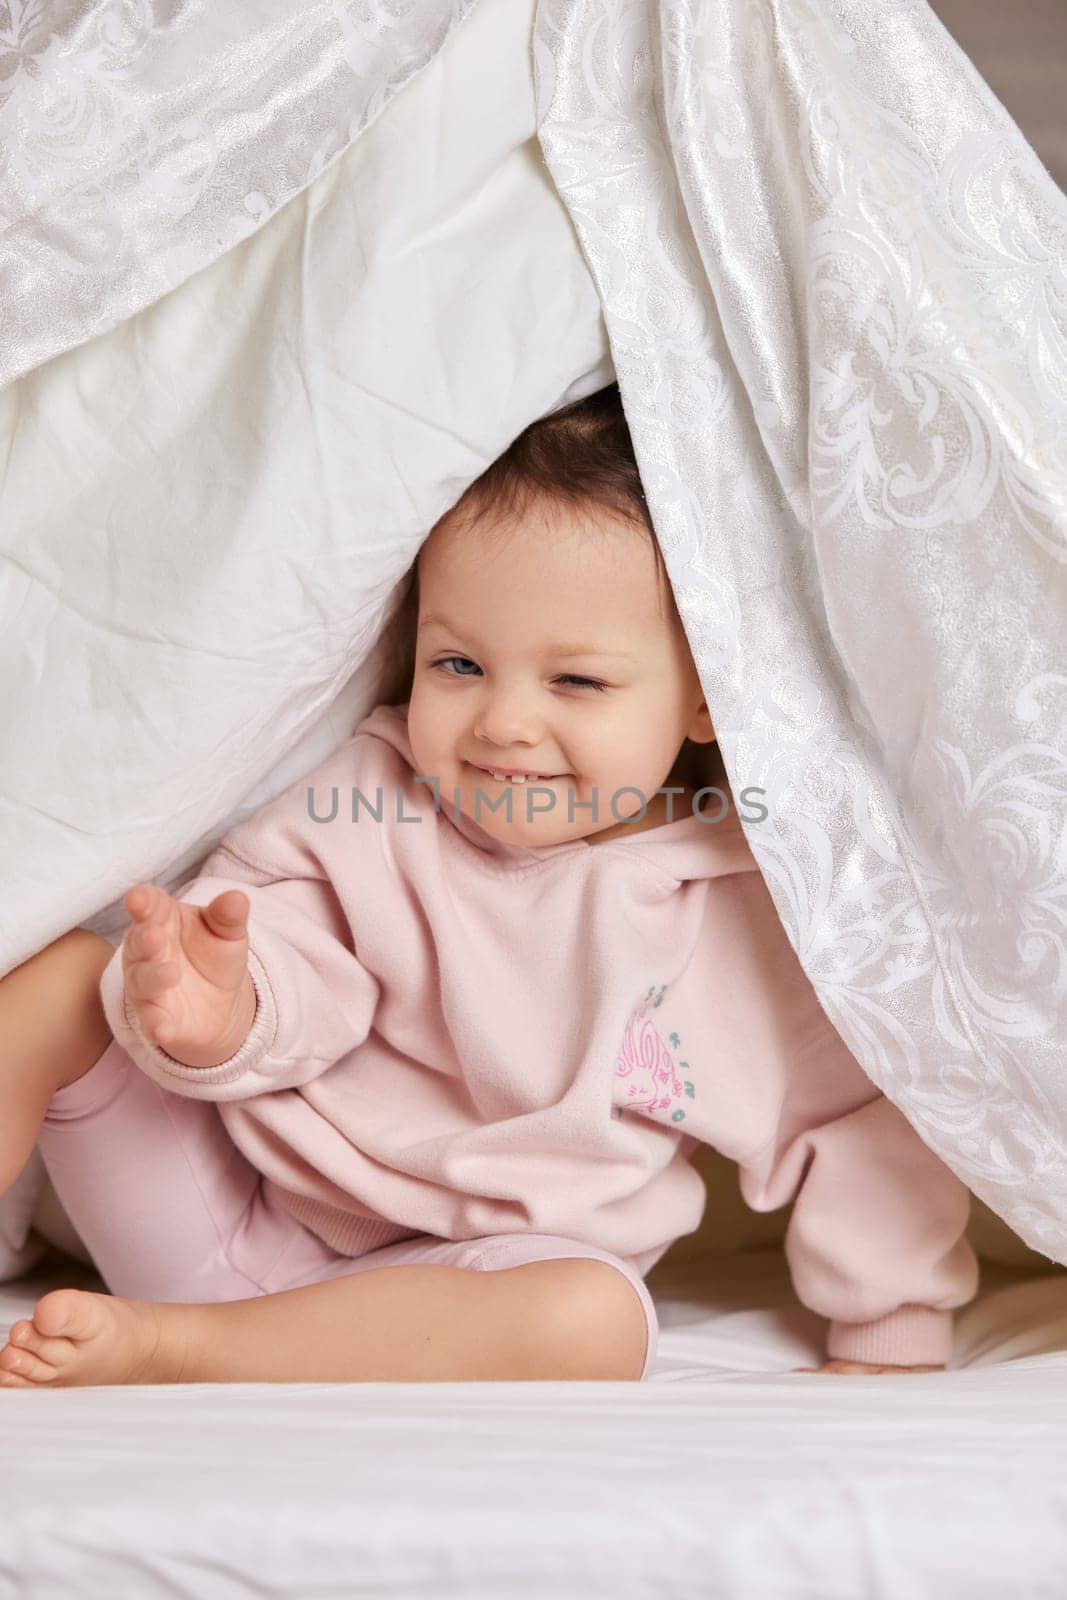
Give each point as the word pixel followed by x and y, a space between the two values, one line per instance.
pixel 186 973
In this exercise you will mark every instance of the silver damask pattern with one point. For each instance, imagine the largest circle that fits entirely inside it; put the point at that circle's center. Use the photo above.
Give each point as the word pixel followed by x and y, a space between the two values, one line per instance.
pixel 139 141
pixel 833 275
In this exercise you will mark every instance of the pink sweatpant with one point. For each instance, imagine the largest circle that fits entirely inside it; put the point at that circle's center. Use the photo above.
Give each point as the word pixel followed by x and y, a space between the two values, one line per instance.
pixel 170 1209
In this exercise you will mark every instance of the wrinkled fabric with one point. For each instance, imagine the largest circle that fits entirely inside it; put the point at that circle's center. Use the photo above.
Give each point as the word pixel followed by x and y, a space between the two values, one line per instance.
pixel 206 509
pixel 832 275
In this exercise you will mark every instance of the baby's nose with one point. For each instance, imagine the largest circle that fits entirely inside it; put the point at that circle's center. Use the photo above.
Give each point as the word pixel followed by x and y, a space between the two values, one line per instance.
pixel 509 724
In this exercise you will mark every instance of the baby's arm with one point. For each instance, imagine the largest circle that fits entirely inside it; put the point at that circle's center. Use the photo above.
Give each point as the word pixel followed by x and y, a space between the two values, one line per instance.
pixel 877 1238
pixel 268 1000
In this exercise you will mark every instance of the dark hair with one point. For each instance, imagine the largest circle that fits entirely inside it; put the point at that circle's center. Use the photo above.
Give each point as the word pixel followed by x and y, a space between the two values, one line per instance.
pixel 583 452
pixel 579 454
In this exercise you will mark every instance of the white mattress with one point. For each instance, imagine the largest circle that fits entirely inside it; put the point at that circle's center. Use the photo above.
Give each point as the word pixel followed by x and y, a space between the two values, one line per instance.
pixel 724 1474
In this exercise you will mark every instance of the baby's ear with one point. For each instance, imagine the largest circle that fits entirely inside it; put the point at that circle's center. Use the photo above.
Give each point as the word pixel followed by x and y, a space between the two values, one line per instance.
pixel 701 730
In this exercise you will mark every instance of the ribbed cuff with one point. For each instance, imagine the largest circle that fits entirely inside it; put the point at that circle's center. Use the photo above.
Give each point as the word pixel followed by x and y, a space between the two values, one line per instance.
pixel 911 1336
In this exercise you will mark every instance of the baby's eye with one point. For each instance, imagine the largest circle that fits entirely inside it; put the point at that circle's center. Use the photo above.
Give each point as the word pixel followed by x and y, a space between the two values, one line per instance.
pixel 567 677
pixel 446 659
pixel 588 683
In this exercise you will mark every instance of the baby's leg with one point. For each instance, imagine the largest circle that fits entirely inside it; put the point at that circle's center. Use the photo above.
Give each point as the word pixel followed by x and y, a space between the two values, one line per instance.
pixel 545 1320
pixel 173 1213
pixel 165 1203
pixel 52 1030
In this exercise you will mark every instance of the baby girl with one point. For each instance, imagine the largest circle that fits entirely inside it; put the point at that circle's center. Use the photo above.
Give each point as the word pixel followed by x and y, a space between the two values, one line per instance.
pixel 404 1085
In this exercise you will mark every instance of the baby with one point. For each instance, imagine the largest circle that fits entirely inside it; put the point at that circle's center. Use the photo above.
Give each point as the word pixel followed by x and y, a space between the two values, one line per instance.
pixel 404 1084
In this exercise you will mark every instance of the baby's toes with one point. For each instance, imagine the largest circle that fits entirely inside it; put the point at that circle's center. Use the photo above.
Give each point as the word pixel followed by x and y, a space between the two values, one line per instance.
pixel 21 1367
pixel 29 1338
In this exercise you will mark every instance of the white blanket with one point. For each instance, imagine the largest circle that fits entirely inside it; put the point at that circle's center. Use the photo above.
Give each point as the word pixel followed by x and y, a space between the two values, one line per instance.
pixel 205 507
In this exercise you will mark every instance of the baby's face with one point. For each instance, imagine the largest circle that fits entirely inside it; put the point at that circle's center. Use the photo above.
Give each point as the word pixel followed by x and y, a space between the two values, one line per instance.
pixel 516 630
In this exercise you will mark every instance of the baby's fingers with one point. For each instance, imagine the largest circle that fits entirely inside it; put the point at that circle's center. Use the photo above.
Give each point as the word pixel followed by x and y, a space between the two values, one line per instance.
pixel 152 935
pixel 147 903
pixel 227 914
pixel 147 980
pixel 145 941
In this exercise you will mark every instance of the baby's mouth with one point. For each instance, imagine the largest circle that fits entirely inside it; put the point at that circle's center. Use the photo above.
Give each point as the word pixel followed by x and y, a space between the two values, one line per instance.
pixel 519 778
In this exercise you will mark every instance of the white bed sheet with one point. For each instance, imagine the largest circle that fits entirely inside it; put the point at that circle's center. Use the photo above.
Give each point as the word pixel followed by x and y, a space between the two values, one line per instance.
pixel 725 1474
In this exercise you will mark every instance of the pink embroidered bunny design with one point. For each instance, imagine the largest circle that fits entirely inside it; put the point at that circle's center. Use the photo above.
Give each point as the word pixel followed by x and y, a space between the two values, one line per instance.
pixel 647 1079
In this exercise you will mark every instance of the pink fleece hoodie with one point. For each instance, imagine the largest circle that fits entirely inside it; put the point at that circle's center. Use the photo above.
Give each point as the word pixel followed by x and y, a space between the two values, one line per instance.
pixel 460 1037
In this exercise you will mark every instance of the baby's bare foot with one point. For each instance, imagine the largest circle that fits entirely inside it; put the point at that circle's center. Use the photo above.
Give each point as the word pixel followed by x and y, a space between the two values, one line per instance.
pixel 76 1338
